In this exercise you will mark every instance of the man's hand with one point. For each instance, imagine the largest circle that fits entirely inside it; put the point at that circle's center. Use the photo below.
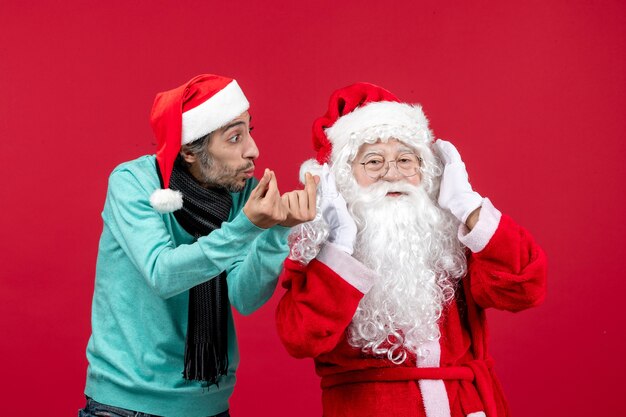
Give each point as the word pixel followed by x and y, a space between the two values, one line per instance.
pixel 264 207
pixel 455 192
pixel 300 204
pixel 335 212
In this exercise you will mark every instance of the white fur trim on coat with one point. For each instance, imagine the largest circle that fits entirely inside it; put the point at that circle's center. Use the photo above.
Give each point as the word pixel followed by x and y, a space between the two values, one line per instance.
pixel 434 394
pixel 348 268
pixel 483 231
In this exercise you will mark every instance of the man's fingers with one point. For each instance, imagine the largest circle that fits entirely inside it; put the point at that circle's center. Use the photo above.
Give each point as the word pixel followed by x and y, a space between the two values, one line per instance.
pixel 304 205
pixel 316 178
pixel 311 208
pixel 294 203
pixel 272 186
pixel 285 200
pixel 310 187
pixel 261 188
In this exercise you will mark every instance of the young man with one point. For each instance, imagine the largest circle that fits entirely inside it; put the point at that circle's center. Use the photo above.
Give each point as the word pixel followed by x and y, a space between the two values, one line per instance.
pixel 187 234
pixel 386 290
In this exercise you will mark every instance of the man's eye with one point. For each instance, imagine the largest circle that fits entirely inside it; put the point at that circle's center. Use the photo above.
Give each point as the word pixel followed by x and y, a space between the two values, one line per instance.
pixel 251 129
pixel 374 162
pixel 234 139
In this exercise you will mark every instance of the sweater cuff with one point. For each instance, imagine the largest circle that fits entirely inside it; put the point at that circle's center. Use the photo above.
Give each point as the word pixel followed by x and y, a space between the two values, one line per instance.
pixel 352 271
pixel 488 221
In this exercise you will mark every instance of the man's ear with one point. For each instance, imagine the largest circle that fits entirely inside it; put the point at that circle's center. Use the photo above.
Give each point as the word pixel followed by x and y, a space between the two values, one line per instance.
pixel 188 156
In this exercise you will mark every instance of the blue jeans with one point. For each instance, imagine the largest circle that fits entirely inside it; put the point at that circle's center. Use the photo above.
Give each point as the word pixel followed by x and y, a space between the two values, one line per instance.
pixel 95 409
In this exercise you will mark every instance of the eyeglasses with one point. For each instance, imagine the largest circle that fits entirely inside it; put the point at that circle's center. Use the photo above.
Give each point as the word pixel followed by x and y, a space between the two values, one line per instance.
pixel 407 164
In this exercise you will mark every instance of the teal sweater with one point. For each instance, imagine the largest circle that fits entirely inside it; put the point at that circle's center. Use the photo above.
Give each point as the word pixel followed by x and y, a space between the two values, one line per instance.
pixel 146 265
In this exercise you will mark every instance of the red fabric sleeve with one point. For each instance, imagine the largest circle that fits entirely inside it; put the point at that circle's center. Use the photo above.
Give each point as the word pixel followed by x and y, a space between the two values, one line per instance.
pixel 316 309
pixel 510 272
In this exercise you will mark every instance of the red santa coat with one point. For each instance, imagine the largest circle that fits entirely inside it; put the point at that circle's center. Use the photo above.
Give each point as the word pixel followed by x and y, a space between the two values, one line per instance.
pixel 506 270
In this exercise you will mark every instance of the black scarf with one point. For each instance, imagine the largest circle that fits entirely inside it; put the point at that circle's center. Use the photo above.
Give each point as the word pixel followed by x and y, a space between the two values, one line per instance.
pixel 206 346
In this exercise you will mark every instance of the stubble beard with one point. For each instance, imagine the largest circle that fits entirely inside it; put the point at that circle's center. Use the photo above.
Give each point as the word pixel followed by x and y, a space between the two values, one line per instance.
pixel 215 174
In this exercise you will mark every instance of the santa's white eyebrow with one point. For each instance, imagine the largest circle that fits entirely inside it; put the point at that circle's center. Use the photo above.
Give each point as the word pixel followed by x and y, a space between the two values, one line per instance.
pixel 373 152
pixel 380 152
pixel 405 149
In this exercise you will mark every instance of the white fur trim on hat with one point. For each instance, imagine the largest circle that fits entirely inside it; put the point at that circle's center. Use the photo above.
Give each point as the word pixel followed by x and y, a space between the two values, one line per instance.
pixel 166 200
pixel 214 113
pixel 380 120
pixel 310 165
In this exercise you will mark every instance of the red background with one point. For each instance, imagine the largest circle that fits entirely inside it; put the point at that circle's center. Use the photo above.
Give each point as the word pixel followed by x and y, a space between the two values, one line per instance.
pixel 532 93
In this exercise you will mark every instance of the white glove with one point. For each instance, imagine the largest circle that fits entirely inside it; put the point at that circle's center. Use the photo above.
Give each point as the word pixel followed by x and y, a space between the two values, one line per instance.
pixel 455 193
pixel 335 212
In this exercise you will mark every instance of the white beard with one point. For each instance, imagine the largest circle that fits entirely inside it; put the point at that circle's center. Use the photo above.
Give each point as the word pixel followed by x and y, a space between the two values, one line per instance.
pixel 412 244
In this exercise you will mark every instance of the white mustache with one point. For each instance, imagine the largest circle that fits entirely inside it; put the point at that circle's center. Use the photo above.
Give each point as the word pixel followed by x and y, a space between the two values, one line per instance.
pixel 378 191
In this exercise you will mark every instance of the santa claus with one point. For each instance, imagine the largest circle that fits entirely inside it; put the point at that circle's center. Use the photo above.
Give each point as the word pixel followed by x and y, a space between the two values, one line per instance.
pixel 386 288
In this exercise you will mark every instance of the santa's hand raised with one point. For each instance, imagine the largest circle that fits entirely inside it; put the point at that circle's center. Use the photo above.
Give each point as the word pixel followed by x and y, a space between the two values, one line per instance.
pixel 455 192
pixel 334 210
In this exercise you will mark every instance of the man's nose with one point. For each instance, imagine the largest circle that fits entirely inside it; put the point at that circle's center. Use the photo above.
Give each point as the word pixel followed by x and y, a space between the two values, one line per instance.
pixel 251 151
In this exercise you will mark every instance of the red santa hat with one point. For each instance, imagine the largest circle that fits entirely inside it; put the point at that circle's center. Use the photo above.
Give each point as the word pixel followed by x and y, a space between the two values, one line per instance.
pixel 362 113
pixel 202 105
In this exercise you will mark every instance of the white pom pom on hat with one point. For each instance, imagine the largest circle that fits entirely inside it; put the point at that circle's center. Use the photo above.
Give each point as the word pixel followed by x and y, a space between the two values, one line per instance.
pixel 179 116
pixel 166 200
pixel 311 166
